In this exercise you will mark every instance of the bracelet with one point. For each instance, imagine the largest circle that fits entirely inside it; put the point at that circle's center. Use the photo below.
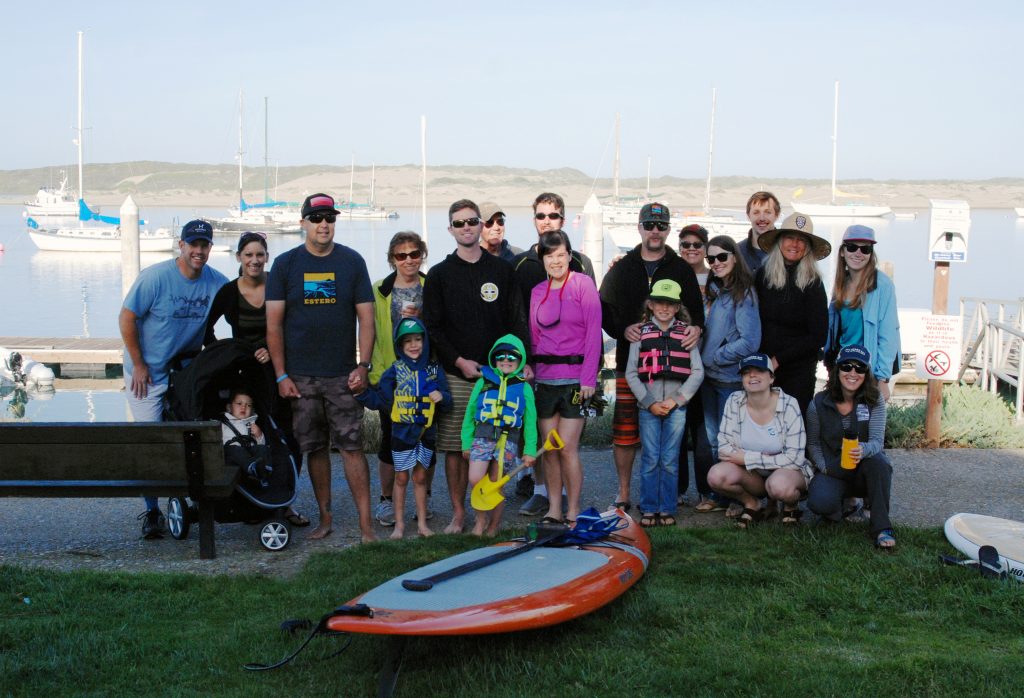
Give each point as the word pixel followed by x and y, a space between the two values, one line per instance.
pixel 282 377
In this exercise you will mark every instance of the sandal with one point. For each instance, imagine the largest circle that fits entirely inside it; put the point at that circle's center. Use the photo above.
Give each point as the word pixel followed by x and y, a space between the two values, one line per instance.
pixel 734 511
pixel 885 539
pixel 622 505
pixel 792 516
pixel 296 519
pixel 649 520
pixel 552 520
pixel 708 505
pixel 749 517
pixel 666 520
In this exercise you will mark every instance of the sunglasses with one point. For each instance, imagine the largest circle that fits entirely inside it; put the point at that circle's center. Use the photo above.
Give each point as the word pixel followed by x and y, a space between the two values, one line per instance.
pixel 691 245
pixel 318 218
pixel 552 216
pixel 249 234
pixel 720 257
pixel 506 357
pixel 402 256
pixel 651 225
pixel 471 222
pixel 497 220
pixel 852 247
pixel 851 366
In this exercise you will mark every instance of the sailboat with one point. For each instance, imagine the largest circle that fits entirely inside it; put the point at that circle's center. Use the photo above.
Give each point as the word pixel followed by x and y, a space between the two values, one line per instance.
pixel 849 210
pixel 53 202
pixel 735 228
pixel 622 210
pixel 92 238
pixel 369 210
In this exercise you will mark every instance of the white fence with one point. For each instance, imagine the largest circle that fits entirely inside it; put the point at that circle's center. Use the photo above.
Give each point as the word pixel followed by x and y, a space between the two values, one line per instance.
pixel 994 342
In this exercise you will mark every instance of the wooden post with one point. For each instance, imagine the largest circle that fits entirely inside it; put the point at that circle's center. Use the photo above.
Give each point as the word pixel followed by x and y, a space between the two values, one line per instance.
pixel 129 244
pixel 933 412
pixel 593 235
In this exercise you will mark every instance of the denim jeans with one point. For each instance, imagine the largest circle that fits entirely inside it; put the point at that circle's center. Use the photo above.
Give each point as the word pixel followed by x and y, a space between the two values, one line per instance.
pixel 714 396
pixel 147 409
pixel 660 438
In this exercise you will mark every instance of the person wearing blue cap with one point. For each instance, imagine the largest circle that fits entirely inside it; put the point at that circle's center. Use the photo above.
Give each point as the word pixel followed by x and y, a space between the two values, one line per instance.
pixel 761 447
pixel 163 320
pixel 863 310
pixel 851 407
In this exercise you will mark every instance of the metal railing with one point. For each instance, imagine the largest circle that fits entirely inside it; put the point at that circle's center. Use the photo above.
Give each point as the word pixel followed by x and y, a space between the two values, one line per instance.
pixel 994 343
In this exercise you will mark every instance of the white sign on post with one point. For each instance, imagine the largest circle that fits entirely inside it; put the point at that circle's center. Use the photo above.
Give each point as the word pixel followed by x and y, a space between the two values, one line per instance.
pixel 948 231
pixel 939 355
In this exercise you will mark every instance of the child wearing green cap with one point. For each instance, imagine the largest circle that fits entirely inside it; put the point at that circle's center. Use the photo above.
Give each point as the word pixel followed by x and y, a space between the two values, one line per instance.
pixel 664 376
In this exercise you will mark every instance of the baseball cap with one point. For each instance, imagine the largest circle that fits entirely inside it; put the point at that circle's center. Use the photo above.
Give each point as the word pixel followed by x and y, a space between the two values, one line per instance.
pixel 859 233
pixel 666 290
pixel 407 326
pixel 318 203
pixel 654 212
pixel 488 209
pixel 854 352
pixel 695 229
pixel 197 230
pixel 760 361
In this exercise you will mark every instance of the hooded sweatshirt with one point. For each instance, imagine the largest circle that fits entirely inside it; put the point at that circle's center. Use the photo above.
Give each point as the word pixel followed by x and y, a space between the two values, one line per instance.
pixel 408 382
pixel 507 399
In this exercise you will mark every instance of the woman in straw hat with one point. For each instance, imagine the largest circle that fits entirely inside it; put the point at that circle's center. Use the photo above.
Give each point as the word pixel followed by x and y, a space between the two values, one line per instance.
pixel 793 304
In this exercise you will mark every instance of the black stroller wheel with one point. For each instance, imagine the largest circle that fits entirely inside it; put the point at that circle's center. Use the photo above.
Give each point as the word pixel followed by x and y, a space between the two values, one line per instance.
pixel 178 517
pixel 275 535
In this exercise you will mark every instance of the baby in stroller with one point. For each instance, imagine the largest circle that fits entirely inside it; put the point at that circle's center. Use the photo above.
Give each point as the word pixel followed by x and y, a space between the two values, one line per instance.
pixel 244 442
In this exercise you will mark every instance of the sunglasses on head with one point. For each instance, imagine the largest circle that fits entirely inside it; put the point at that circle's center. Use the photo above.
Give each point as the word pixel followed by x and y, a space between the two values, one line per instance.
pixel 720 257
pixel 852 247
pixel 853 366
pixel 497 220
pixel 471 222
pixel 318 218
pixel 651 225
pixel 691 245
pixel 402 256
pixel 506 356
pixel 552 216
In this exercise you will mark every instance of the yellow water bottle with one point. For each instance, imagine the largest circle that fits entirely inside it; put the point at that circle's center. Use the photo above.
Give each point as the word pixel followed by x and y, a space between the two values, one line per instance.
pixel 850 442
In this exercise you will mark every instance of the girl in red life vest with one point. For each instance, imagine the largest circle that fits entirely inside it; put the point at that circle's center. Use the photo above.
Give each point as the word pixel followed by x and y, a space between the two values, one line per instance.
pixel 664 377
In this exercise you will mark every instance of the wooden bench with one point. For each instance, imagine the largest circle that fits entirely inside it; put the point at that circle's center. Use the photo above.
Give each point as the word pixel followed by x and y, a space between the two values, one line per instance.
pixel 163 459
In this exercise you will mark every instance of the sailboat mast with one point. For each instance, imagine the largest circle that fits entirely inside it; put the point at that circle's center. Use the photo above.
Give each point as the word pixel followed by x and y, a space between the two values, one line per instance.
pixel 423 174
pixel 835 138
pixel 351 181
pixel 266 150
pixel 373 181
pixel 647 193
pixel 616 171
pixel 78 139
pixel 240 108
pixel 711 151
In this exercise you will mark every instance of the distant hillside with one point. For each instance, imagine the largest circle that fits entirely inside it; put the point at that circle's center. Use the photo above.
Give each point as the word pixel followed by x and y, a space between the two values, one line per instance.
pixel 174 184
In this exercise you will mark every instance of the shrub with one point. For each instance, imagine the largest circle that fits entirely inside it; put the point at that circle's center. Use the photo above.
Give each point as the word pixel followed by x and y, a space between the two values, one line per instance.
pixel 971 418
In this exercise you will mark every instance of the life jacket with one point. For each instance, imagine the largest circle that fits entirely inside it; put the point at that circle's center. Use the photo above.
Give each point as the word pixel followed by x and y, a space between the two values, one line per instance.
pixel 411 404
pixel 502 405
pixel 661 352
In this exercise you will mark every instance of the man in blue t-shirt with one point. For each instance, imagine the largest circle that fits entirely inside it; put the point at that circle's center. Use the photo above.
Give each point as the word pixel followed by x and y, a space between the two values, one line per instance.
pixel 163 318
pixel 316 293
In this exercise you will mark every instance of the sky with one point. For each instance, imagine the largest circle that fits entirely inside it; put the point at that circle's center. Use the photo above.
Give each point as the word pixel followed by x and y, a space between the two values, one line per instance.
pixel 928 90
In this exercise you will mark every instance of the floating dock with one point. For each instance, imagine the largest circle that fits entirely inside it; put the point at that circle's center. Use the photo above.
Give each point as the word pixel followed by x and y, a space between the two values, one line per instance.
pixel 72 357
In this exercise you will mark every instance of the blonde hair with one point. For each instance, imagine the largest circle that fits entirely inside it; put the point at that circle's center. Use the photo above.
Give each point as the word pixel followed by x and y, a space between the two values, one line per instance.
pixel 775 269
pixel 867 282
pixel 681 312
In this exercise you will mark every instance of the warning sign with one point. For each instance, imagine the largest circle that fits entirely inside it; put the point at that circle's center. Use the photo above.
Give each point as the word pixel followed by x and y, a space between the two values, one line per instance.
pixel 939 355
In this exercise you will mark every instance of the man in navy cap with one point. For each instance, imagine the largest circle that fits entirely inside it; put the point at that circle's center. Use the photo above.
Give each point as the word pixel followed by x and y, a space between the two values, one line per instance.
pixel 162 321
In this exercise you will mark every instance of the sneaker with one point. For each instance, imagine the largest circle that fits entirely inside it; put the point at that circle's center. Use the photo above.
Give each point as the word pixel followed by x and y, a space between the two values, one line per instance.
pixel 385 512
pixel 154 524
pixel 524 488
pixel 537 504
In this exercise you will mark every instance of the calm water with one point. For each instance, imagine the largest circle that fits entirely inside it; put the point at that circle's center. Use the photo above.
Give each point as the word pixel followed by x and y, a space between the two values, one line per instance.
pixel 64 294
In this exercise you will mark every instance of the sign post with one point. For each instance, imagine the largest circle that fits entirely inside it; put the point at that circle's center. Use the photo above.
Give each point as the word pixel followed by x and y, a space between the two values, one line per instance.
pixel 939 358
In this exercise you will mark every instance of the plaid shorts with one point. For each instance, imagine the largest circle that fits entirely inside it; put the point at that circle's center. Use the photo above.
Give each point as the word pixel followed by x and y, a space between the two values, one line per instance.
pixel 626 418
pixel 327 414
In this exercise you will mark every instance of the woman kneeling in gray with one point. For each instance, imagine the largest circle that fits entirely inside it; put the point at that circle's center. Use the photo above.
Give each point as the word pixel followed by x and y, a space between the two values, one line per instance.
pixel 850 409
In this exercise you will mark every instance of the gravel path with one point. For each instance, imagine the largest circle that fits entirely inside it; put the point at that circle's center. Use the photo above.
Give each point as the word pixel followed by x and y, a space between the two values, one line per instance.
pixel 102 534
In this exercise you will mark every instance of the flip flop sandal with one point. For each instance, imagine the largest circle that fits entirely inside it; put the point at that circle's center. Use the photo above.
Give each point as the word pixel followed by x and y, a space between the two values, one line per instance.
pixel 749 517
pixel 552 520
pixel 666 520
pixel 625 506
pixel 649 520
pixel 707 506
pixel 885 540
pixel 791 517
pixel 296 519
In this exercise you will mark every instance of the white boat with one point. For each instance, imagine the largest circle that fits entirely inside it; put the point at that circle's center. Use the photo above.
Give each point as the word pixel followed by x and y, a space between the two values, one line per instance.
pixel 104 235
pixel 847 210
pixel 23 371
pixel 368 211
pixel 53 203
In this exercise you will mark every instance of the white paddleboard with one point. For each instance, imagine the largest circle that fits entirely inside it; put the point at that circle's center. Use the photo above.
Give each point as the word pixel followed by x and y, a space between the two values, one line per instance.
pixel 968 532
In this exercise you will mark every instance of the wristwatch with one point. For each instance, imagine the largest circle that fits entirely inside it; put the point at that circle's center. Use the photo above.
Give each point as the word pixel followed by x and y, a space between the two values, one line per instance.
pixel 366 364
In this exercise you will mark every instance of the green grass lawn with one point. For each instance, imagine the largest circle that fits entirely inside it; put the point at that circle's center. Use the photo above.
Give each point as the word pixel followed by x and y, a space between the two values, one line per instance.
pixel 807 612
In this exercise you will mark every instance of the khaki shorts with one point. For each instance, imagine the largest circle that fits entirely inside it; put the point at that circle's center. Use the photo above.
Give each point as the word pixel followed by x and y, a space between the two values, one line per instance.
pixel 326 414
pixel 449 422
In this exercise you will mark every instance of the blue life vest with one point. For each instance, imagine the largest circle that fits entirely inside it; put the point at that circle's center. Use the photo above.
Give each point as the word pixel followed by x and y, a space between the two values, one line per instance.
pixel 501 405
pixel 411 404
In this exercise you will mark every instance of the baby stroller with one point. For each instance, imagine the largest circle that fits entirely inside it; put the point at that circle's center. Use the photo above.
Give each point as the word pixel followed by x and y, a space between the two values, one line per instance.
pixel 264 491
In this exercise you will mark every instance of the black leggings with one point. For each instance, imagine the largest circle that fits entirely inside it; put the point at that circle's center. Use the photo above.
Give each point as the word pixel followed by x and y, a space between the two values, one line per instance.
pixel 702 458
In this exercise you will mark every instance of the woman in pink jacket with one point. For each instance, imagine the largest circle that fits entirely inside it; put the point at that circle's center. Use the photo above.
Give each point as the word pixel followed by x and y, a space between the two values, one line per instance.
pixel 565 337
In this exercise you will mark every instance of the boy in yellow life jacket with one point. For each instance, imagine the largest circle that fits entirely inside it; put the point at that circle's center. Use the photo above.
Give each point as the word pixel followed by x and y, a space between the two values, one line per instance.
pixel 500 407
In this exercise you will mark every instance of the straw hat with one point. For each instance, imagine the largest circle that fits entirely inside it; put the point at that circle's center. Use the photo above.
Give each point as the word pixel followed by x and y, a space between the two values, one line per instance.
pixel 796 223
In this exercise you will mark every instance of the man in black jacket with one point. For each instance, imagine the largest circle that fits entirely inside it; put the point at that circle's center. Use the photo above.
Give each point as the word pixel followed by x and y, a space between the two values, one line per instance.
pixel 623 293
pixel 470 300
pixel 763 210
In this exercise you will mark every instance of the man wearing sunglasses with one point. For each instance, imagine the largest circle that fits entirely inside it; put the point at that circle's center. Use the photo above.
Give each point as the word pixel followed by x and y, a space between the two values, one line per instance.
pixel 316 293
pixel 492 237
pixel 470 299
pixel 623 292
pixel 763 210
pixel 548 216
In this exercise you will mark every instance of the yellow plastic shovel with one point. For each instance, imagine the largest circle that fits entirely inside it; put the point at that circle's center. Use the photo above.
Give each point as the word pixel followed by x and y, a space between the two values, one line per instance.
pixel 487 493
